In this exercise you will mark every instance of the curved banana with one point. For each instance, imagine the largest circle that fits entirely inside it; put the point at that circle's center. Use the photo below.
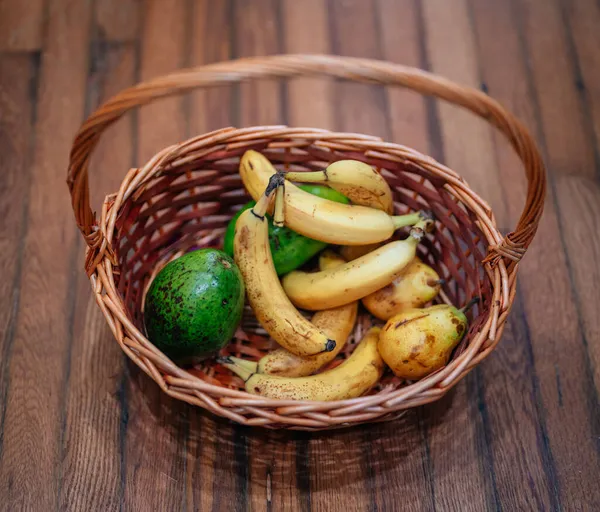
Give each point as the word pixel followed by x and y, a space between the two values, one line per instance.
pixel 356 279
pixel 271 306
pixel 319 218
pixel 413 288
pixel 337 323
pixel 354 377
pixel 358 181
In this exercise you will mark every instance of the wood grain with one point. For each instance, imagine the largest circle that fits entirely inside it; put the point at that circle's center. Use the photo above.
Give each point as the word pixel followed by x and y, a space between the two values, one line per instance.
pixel 96 402
pixel 256 32
pixel 582 19
pixel 512 371
pixel 81 428
pixel 22 24
pixel 31 472
pixel 17 103
pixel 309 99
pixel 568 158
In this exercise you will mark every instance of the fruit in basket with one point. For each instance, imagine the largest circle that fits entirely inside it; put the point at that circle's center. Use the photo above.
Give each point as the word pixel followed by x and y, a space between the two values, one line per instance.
pixel 358 181
pixel 354 377
pixel 194 305
pixel 417 342
pixel 290 250
pixel 337 323
pixel 271 306
pixel 416 286
pixel 319 218
pixel 351 252
pixel 355 279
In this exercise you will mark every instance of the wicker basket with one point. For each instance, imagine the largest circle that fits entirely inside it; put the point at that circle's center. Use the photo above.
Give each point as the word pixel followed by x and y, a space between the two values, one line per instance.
pixel 184 196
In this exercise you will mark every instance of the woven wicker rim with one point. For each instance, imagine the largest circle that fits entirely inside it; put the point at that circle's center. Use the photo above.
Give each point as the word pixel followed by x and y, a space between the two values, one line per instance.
pixel 501 264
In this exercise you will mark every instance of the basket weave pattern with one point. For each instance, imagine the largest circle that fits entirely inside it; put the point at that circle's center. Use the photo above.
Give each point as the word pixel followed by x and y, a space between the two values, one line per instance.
pixel 185 195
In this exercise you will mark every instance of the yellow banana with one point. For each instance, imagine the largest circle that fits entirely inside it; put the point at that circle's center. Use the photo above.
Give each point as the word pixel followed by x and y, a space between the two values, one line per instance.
pixel 358 181
pixel 271 306
pixel 354 377
pixel 413 288
pixel 356 279
pixel 337 323
pixel 319 218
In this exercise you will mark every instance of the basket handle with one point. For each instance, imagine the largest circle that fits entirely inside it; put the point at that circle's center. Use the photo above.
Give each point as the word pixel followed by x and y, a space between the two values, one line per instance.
pixel 513 245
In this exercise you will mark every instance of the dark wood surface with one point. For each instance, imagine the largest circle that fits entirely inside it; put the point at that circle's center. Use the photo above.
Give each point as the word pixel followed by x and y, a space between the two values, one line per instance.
pixel 83 429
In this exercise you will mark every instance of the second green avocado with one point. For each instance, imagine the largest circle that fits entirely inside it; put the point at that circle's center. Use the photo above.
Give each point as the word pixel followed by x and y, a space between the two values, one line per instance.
pixel 290 250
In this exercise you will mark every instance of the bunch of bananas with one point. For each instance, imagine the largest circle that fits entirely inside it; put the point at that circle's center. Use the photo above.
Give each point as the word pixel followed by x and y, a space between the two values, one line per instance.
pixel 385 275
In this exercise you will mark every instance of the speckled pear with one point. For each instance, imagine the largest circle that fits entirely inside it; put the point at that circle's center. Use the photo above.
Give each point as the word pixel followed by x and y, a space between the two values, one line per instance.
pixel 417 342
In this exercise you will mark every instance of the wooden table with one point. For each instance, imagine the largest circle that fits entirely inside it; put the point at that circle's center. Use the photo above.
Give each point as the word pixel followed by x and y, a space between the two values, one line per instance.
pixel 82 429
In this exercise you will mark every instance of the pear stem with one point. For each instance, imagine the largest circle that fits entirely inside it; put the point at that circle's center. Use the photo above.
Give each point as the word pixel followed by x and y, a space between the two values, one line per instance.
pixel 469 304
pixel 307 177
pixel 436 282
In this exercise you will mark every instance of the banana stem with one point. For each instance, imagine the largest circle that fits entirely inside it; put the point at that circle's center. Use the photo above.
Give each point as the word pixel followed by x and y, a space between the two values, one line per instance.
pixel 425 225
pixel 410 219
pixel 251 366
pixel 307 177
pixel 279 214
pixel 262 205
pixel 228 363
pixel 469 304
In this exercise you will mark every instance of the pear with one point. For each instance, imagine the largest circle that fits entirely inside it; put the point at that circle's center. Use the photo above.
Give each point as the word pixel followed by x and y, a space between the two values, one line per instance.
pixel 417 342
pixel 416 286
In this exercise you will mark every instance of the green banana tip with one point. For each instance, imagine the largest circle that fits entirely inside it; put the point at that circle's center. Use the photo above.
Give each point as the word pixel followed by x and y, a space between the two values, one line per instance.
pixel 224 360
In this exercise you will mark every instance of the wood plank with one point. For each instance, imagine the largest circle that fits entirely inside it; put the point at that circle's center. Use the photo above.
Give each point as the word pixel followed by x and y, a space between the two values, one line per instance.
pixel 118 20
pixel 163 45
pixel 402 42
pixel 511 371
pixel 22 25
pixel 583 19
pixel 548 303
pixel 560 103
pixel 296 16
pixel 256 33
pixel 571 156
pixel 574 195
pixel 467 139
pixel 96 419
pixel 359 108
pixel 31 471
pixel 211 42
pixel 462 465
pixel 17 104
pixel 156 438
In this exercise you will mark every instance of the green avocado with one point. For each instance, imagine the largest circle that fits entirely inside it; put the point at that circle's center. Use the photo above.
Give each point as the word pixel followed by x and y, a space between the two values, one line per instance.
pixel 194 305
pixel 290 250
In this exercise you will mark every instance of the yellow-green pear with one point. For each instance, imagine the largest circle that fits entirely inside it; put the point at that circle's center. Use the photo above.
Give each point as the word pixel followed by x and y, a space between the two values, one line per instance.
pixel 416 286
pixel 417 342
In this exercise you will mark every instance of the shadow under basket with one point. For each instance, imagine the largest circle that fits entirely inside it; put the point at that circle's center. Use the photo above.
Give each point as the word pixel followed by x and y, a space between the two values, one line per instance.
pixel 183 198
